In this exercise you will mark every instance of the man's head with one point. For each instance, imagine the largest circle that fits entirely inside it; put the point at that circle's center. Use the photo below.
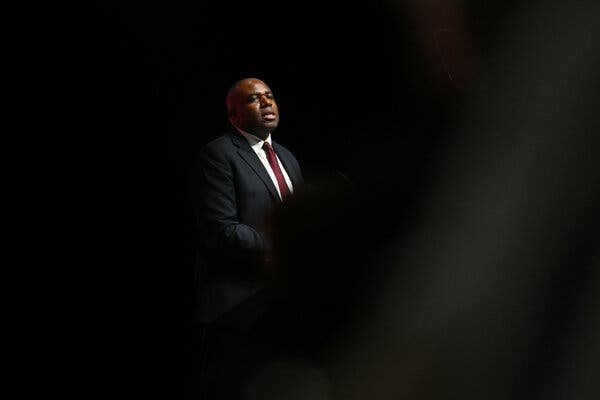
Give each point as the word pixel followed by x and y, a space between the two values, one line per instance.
pixel 252 108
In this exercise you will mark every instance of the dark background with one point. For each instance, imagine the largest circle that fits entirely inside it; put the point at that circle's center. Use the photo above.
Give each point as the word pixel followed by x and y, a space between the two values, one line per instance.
pixel 128 93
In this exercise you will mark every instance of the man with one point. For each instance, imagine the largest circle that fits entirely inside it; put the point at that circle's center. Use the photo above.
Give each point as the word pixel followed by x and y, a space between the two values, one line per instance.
pixel 242 178
pixel 238 193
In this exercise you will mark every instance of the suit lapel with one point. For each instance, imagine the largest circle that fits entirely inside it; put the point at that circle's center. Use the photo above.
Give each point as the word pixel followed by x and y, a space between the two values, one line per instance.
pixel 246 152
pixel 287 164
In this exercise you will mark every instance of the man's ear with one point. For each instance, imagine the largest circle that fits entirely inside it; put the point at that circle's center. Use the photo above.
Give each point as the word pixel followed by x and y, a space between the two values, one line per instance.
pixel 232 116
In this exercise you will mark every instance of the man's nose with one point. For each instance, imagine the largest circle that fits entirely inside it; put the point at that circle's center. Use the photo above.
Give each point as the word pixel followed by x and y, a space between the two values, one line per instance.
pixel 265 101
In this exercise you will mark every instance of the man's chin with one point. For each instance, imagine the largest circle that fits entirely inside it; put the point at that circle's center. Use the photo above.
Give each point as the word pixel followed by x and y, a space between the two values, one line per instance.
pixel 264 131
pixel 270 125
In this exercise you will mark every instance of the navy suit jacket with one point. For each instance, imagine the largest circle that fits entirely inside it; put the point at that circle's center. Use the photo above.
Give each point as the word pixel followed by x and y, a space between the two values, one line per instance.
pixel 235 201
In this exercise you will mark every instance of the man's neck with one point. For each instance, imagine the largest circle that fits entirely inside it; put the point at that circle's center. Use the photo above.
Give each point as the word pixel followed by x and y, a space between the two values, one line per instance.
pixel 253 137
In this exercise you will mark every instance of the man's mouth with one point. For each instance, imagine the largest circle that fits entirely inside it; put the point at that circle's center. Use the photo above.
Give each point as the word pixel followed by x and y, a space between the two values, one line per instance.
pixel 270 116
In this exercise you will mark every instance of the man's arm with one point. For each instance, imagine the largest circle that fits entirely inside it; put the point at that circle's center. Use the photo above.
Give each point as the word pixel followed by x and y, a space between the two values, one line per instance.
pixel 218 220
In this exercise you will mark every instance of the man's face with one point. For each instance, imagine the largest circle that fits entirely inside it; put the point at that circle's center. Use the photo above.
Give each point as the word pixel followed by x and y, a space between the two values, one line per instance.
pixel 253 108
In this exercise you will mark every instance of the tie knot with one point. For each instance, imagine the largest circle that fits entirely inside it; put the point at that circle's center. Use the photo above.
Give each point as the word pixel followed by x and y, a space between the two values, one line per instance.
pixel 267 146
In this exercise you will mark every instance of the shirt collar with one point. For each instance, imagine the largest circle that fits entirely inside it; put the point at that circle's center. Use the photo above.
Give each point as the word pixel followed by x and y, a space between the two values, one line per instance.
pixel 254 140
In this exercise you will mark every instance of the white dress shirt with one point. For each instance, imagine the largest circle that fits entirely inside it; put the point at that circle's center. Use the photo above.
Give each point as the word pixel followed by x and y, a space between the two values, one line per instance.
pixel 257 144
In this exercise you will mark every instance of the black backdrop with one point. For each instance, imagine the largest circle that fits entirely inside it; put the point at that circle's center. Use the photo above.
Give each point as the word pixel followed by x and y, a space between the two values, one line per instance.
pixel 119 96
pixel 130 91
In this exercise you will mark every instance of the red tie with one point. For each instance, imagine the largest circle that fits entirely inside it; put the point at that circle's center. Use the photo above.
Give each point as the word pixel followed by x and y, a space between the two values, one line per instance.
pixel 283 187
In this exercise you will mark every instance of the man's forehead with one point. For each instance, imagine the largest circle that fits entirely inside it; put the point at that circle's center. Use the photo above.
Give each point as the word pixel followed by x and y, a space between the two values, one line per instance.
pixel 255 86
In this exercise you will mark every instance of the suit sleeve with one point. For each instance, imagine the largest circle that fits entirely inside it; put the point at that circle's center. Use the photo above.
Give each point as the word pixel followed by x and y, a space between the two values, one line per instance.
pixel 221 231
